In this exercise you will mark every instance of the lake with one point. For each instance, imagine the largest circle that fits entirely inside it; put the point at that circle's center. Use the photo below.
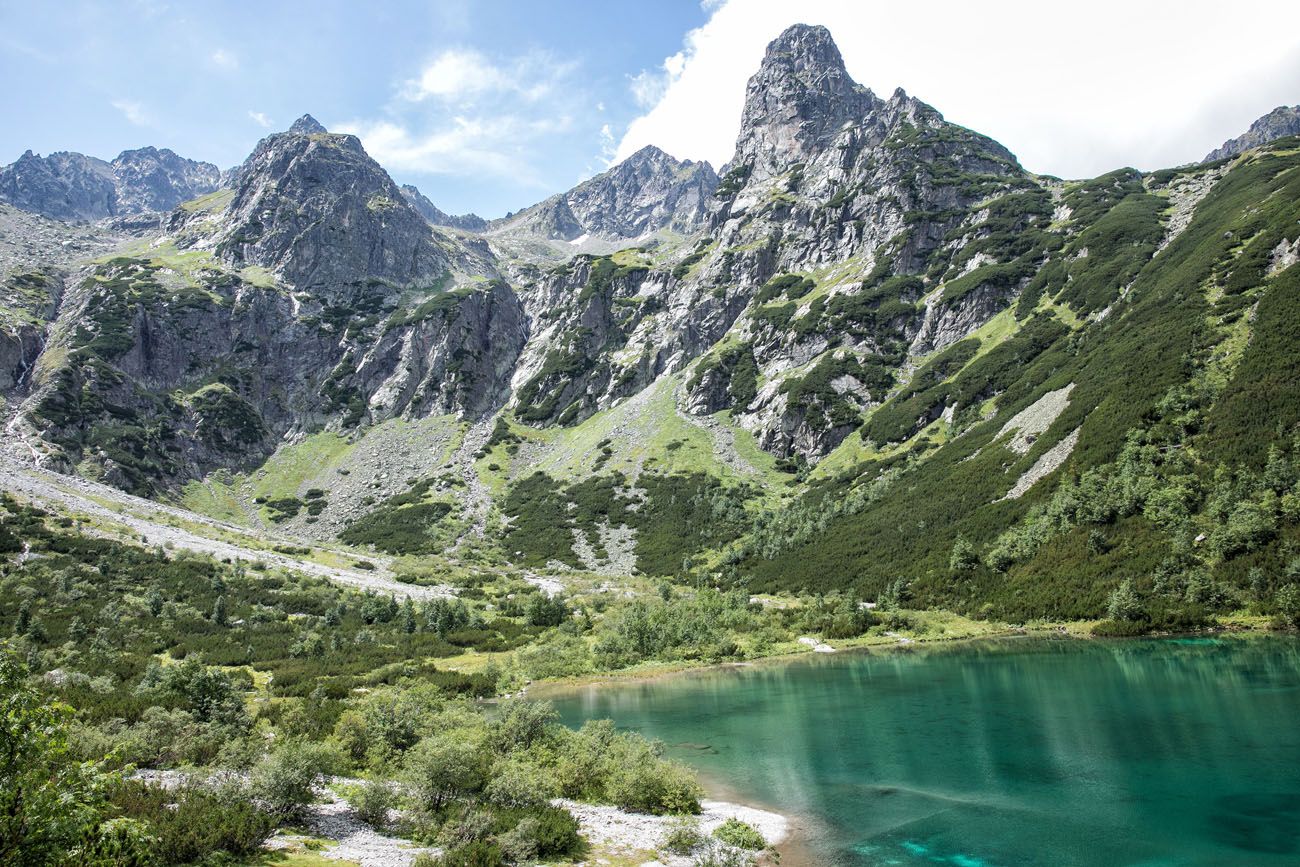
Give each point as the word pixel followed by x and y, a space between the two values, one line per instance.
pixel 1009 752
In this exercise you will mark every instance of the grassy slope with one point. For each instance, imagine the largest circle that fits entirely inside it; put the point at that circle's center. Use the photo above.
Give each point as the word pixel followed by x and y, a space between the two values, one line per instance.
pixel 1121 367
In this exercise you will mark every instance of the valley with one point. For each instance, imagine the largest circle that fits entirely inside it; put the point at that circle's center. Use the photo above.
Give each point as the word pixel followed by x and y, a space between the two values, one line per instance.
pixel 313 494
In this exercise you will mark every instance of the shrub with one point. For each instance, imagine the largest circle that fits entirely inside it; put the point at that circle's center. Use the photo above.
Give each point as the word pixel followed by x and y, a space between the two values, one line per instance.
pixel 654 785
pixel 480 853
pixel 285 780
pixel 519 784
pixel 1124 604
pixel 1288 604
pixel 442 768
pixel 683 837
pixel 47 799
pixel 373 802
pixel 193 822
pixel 740 834
pixel 542 832
pixel 717 855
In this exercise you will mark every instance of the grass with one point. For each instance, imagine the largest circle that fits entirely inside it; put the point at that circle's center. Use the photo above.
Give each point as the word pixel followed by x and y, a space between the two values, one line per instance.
pixel 210 203
pixel 293 857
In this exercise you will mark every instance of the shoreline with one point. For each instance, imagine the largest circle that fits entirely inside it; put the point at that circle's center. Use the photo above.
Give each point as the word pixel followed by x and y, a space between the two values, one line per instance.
pixel 1064 630
pixel 544 689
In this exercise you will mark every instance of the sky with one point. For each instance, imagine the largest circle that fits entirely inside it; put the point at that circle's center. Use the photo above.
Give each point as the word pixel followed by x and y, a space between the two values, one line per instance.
pixel 490 106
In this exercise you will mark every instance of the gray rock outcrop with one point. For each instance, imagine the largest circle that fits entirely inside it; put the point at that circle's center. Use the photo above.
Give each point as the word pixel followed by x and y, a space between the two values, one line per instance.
pixel 1278 123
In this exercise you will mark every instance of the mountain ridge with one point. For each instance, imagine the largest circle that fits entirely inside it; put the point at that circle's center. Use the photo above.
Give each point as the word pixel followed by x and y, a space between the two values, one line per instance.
pixel 874 325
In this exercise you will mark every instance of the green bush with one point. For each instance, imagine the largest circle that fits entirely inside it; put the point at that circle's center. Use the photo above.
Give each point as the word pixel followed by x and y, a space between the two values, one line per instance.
pixel 285 780
pixel 373 802
pixel 480 853
pixel 740 834
pixel 193 822
pixel 683 836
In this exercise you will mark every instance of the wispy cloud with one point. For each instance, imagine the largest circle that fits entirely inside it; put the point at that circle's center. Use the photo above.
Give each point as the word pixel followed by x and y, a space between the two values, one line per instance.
pixel 496 146
pixel 224 59
pixel 260 119
pixel 468 114
pixel 133 111
pixel 465 74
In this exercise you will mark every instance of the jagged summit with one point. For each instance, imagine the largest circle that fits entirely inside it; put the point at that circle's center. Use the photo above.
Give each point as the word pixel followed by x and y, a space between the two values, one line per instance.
pixel 800 96
pixel 1278 123
pixel 437 216
pixel 648 191
pixel 319 210
pixel 307 125
pixel 72 186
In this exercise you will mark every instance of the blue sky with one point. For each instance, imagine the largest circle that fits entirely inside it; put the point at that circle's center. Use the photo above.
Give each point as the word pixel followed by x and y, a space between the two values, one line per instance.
pixel 490 106
pixel 534 83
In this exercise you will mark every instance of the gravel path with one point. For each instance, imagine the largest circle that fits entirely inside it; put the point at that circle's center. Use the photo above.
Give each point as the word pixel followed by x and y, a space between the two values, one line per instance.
pixel 150 520
pixel 355 840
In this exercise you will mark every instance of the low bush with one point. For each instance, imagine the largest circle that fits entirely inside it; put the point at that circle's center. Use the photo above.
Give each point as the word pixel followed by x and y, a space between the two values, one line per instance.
pixel 740 834
pixel 194 822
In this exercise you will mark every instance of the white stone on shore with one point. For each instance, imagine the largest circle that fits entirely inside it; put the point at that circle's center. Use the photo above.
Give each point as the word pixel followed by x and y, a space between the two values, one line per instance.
pixel 621 831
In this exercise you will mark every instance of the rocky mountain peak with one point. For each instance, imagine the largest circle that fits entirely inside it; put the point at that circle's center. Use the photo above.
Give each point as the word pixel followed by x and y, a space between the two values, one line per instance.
pixel 73 186
pixel 799 98
pixel 437 216
pixel 307 125
pixel 319 210
pixel 157 179
pixel 648 191
pixel 1278 123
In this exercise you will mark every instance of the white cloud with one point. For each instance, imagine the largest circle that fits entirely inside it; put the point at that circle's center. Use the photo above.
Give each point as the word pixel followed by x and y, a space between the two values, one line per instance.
pixel 470 115
pixel 462 74
pixel 1073 90
pixel 260 119
pixel 496 146
pixel 224 59
pixel 133 111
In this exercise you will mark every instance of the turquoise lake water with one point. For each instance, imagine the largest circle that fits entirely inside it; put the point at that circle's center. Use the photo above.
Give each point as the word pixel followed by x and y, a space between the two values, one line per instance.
pixel 1013 752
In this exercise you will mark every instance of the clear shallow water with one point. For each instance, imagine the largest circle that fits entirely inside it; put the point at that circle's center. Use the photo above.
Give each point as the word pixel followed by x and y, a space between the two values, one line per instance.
pixel 1174 752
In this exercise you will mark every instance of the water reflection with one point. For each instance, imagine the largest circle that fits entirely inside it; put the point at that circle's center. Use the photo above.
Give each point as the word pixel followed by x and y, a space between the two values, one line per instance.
pixel 1005 752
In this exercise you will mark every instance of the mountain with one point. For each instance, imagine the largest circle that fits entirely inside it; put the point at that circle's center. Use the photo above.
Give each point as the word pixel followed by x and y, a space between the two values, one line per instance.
pixel 1279 123
pixel 338 216
pixel 266 310
pixel 72 186
pixel 432 213
pixel 874 355
pixel 643 194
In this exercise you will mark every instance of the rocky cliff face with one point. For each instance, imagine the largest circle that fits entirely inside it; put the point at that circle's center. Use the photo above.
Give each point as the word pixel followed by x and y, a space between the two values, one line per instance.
pixel 1278 123
pixel 797 103
pixel 885 199
pixel 163 366
pixel 838 215
pixel 72 186
pixel 850 242
pixel 64 186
